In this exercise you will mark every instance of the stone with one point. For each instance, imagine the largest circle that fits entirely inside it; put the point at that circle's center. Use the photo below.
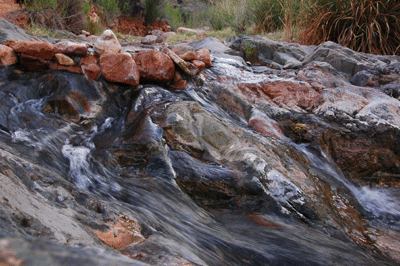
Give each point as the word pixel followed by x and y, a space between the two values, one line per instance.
pixel 9 31
pixel 70 68
pixel 182 64
pixel 118 236
pixel 64 60
pixel 119 68
pixel 199 65
pixel 164 36
pixel 33 63
pixel 204 56
pixel 86 33
pixel 107 43
pixel 7 56
pixel 71 48
pixel 92 71
pixel 155 66
pixel 185 52
pixel 180 85
pixel 149 39
pixel 41 50
pixel 212 44
pixel 89 59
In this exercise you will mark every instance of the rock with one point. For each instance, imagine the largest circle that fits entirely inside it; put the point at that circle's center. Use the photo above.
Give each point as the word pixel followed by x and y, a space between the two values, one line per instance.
pixel 86 33
pixel 161 38
pixel 182 64
pixel 155 66
pixel 180 85
pixel 185 52
pixel 89 59
pixel 7 56
pixel 92 71
pixel 199 65
pixel 149 39
pixel 212 44
pixel 33 63
pixel 41 50
pixel 9 31
pixel 107 43
pixel 70 68
pixel 119 68
pixel 64 60
pixel 71 48
pixel 184 29
pixel 204 56
pixel 119 235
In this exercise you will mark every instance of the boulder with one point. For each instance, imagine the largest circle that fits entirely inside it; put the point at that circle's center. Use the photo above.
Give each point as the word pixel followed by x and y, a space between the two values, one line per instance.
pixel 119 68
pixel 71 48
pixel 162 37
pixel 41 50
pixel 92 71
pixel 212 44
pixel 185 52
pixel 7 56
pixel 89 59
pixel 182 64
pixel 107 43
pixel 204 56
pixel 9 31
pixel 155 66
pixel 70 68
pixel 33 63
pixel 149 39
pixel 64 60
pixel 199 65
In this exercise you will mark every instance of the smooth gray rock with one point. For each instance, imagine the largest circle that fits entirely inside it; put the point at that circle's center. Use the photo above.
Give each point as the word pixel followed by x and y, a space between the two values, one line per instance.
pixel 9 31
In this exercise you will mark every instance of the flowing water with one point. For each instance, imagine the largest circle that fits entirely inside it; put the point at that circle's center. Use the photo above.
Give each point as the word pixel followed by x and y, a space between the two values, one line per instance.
pixel 173 223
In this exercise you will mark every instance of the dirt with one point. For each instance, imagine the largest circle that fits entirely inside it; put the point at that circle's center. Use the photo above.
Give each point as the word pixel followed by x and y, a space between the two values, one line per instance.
pixel 7 6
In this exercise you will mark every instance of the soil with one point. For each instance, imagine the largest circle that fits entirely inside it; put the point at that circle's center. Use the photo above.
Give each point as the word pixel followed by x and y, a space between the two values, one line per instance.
pixel 7 6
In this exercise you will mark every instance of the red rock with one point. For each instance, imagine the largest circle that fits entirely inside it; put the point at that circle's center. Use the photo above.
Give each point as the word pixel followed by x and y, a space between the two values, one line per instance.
pixel 266 127
pixel 56 66
pixel 119 68
pixel 180 85
pixel 89 59
pixel 186 52
pixel 64 60
pixel 41 50
pixel 33 63
pixel 177 76
pixel 155 66
pixel 205 56
pixel 71 48
pixel 186 67
pixel 92 71
pixel 7 56
pixel 199 65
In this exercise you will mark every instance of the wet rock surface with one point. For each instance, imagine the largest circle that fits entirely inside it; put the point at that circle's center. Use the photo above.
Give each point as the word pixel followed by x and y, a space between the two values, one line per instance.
pixel 292 160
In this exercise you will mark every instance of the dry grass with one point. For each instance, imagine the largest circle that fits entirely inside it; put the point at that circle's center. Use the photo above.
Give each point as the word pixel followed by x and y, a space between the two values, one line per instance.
pixel 370 26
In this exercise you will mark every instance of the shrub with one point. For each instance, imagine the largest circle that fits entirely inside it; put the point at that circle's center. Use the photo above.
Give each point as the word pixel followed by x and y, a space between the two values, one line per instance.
pixel 153 10
pixel 230 13
pixel 174 16
pixel 267 15
pixel 370 26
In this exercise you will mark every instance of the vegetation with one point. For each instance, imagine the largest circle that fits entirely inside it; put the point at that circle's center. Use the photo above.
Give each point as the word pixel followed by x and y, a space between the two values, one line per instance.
pixel 370 26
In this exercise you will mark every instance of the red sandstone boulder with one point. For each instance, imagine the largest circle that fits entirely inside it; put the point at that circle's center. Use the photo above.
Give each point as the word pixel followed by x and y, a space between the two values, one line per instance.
pixel 64 60
pixel 107 43
pixel 56 66
pixel 119 68
pixel 89 59
pixel 205 56
pixel 41 50
pixel 186 67
pixel 92 71
pixel 199 65
pixel 31 63
pixel 155 66
pixel 186 52
pixel 180 85
pixel 7 56
pixel 71 48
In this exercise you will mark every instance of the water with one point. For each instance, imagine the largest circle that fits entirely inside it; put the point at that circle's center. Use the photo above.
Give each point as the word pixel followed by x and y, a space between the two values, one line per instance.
pixel 173 223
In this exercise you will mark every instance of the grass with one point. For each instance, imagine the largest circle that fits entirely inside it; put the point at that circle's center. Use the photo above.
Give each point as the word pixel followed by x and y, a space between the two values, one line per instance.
pixel 370 26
